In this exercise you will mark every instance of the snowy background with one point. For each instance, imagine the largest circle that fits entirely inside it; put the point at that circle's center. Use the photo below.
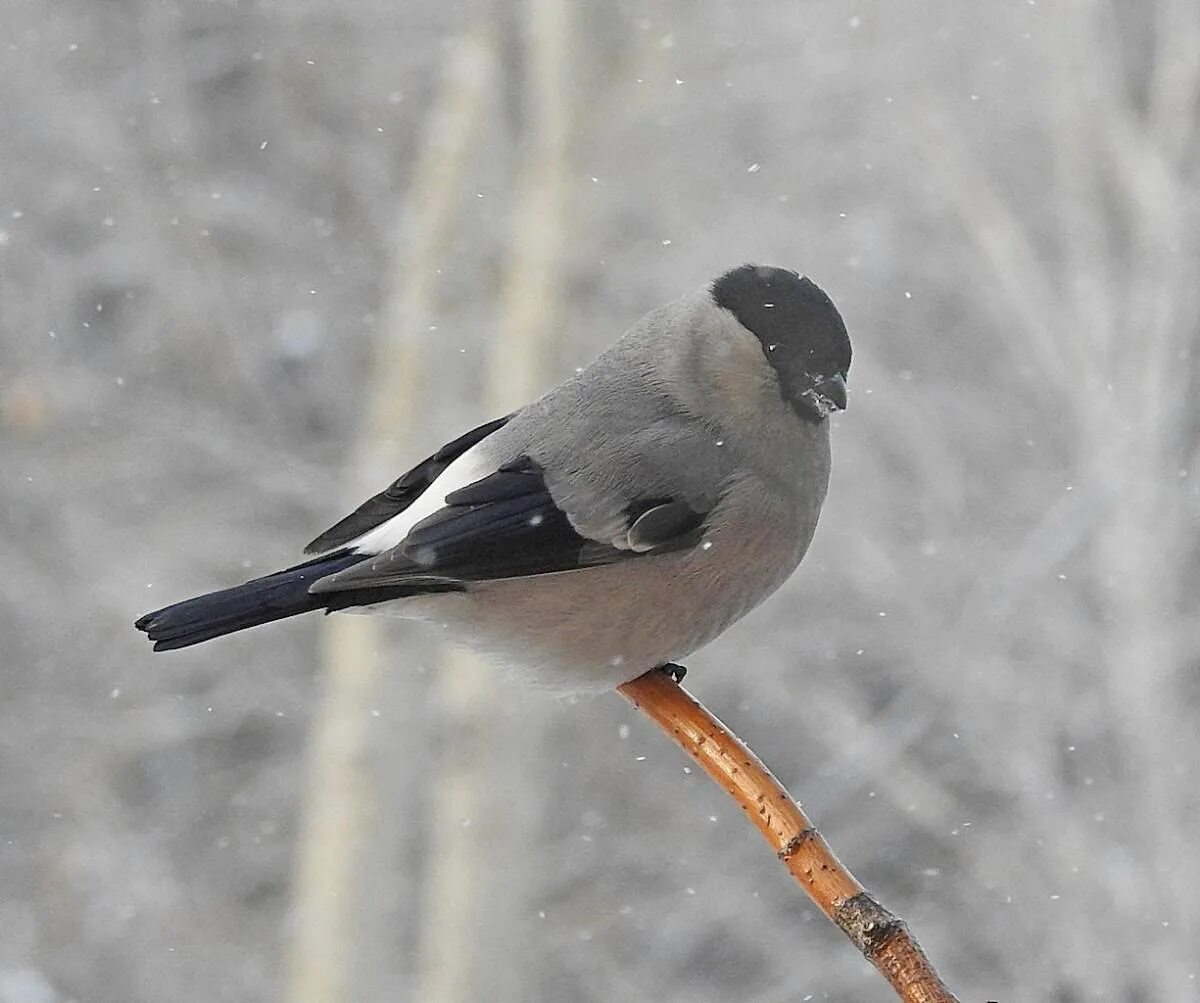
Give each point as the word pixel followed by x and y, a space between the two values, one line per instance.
pixel 982 683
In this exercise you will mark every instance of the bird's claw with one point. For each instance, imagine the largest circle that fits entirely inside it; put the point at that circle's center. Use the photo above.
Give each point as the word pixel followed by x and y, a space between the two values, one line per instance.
pixel 676 672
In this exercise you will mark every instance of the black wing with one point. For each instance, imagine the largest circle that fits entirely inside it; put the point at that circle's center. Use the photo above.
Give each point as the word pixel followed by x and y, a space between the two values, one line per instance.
pixel 507 525
pixel 402 493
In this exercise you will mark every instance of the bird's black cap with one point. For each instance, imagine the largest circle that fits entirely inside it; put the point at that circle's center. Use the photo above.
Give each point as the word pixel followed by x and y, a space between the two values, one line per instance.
pixel 801 331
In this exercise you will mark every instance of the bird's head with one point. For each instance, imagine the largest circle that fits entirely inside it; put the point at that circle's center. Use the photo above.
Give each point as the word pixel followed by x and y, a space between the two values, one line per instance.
pixel 800 331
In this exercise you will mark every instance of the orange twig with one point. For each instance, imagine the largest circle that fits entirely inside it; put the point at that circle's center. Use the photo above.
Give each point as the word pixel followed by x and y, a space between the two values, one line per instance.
pixel 882 937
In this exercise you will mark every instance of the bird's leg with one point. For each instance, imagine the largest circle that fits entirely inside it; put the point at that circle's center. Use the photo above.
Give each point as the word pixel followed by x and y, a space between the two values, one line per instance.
pixel 676 672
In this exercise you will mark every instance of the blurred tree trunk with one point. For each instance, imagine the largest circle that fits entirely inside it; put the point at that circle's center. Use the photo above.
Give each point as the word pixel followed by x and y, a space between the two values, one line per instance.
pixel 476 817
pixel 342 792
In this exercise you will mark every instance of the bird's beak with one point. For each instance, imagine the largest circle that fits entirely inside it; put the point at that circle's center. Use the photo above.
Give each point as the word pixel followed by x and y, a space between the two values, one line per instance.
pixel 833 389
pixel 826 395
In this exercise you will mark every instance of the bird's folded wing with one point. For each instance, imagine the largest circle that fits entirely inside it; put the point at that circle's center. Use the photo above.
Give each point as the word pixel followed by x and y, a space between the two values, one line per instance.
pixel 402 493
pixel 508 525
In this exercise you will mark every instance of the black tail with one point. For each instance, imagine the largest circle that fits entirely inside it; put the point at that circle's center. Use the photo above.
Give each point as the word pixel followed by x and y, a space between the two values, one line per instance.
pixel 274 597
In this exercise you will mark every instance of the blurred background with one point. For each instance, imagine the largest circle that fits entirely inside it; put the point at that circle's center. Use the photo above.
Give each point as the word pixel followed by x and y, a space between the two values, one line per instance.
pixel 258 258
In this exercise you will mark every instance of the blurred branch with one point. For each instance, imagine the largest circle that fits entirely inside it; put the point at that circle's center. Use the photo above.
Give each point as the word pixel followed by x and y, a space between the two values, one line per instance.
pixel 341 795
pixel 1175 86
pixel 533 285
pixel 1005 244
pixel 451 957
pixel 882 937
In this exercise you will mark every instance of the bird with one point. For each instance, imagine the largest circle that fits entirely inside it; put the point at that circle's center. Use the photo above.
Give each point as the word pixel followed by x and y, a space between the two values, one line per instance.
pixel 612 526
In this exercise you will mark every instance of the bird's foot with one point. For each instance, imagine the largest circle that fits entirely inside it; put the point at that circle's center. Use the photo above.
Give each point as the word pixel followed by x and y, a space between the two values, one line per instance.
pixel 676 672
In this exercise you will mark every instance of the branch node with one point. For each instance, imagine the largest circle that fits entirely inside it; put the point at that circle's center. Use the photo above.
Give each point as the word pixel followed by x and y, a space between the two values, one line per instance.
pixel 797 841
pixel 868 924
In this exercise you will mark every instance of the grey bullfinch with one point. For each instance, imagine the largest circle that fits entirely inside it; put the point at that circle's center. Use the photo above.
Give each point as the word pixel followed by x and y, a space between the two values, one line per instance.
pixel 617 523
